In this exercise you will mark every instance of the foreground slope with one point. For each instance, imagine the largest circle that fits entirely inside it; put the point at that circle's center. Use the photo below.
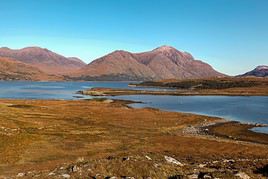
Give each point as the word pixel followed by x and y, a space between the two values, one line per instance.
pixel 104 138
pixel 162 63
pixel 44 59
pixel 11 69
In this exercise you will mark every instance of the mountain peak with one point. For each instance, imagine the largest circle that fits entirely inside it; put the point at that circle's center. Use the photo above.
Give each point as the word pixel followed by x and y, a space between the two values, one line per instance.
pixel 172 52
pixel 259 71
pixel 164 48
pixel 120 52
pixel 262 67
pixel 35 49
pixel 164 62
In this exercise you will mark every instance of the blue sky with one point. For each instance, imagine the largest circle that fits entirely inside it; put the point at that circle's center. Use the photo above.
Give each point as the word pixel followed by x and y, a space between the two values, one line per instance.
pixel 231 35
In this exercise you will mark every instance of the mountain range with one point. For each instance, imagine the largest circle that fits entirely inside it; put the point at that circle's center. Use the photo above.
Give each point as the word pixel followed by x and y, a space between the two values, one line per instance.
pixel 43 59
pixel 161 63
pixel 165 62
pixel 11 69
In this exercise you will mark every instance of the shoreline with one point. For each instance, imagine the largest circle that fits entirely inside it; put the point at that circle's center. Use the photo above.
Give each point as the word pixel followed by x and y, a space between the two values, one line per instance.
pixel 92 135
pixel 106 92
pixel 218 122
pixel 221 121
pixel 118 92
pixel 237 131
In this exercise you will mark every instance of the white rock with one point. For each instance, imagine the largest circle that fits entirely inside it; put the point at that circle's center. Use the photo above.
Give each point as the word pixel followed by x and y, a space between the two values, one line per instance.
pixel 193 176
pixel 108 101
pixel 148 158
pixel 65 175
pixel 172 160
pixel 242 175
pixel 51 173
pixel 227 161
pixel 156 165
pixel 202 165
pixel 20 174
pixel 74 168
pixel 207 177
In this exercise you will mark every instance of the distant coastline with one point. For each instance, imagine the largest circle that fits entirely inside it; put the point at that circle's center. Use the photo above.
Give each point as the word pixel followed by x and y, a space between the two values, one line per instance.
pixel 215 86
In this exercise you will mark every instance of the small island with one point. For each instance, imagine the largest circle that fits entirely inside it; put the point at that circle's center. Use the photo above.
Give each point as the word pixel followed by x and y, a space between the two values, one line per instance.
pixel 227 86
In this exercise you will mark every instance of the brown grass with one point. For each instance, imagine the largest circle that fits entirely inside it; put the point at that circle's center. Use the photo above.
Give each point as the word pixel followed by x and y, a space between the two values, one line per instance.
pixel 44 134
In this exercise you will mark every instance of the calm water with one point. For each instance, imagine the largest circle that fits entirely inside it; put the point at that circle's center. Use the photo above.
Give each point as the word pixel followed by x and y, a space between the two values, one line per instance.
pixel 252 109
pixel 51 90
pixel 244 109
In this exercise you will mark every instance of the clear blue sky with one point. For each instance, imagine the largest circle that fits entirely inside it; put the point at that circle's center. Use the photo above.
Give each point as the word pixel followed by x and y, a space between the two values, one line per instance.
pixel 231 35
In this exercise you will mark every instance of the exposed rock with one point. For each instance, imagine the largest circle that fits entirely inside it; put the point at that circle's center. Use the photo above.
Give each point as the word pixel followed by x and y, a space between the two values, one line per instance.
pixel 202 165
pixel 193 176
pixel 229 161
pixel 108 101
pixel 73 168
pixel 173 161
pixel 148 158
pixel 242 175
pixel 125 158
pixel 65 175
pixel 207 176
pixel 51 174
pixel 21 174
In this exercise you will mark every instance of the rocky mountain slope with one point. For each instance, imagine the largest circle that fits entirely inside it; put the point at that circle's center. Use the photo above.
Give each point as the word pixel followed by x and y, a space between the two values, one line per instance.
pixel 259 71
pixel 161 63
pixel 44 59
pixel 11 69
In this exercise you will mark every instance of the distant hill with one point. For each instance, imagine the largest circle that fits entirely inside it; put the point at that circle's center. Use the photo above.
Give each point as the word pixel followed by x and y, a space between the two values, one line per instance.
pixel 11 69
pixel 259 71
pixel 161 63
pixel 44 59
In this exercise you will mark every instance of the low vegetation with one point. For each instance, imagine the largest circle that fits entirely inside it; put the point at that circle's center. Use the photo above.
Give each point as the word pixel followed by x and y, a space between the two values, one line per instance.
pixel 105 138
pixel 213 83
pixel 217 86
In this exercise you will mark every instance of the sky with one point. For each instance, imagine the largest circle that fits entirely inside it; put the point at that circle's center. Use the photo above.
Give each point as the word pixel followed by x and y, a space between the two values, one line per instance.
pixel 230 35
